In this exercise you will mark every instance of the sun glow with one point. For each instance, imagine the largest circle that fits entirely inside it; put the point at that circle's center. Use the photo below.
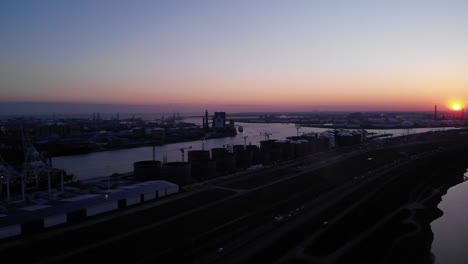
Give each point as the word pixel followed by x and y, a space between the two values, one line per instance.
pixel 456 107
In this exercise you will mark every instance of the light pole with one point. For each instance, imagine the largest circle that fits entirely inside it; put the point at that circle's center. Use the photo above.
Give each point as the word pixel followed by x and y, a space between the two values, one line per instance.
pixel 108 176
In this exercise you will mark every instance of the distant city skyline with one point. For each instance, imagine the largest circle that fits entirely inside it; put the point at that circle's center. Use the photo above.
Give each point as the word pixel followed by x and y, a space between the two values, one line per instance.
pixel 234 55
pixel 48 109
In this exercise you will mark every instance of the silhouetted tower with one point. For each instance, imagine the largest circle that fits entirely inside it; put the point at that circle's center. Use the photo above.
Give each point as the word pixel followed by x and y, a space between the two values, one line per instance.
pixel 435 112
pixel 118 118
pixel 463 113
pixel 206 119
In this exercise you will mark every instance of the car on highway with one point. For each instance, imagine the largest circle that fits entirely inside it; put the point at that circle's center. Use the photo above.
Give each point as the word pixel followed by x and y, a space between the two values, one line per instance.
pixel 279 219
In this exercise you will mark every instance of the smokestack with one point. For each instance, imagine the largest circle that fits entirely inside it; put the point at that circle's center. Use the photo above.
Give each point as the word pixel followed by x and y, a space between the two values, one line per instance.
pixel 206 119
pixel 435 112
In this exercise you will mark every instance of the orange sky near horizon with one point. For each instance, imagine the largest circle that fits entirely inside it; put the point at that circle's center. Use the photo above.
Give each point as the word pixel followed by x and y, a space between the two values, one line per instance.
pixel 400 55
pixel 368 95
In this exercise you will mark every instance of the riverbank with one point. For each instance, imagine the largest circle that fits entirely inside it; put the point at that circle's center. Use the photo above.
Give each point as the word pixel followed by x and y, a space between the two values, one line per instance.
pixel 136 145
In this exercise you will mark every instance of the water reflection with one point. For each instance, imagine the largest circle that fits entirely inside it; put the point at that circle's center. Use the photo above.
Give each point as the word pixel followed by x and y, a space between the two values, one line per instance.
pixel 100 164
pixel 451 230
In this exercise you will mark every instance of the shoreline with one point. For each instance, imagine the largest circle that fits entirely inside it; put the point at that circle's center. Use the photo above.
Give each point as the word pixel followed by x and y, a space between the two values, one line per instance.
pixel 136 145
pixel 375 127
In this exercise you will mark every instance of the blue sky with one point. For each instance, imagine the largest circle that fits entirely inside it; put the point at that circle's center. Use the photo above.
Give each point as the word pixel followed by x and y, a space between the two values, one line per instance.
pixel 289 53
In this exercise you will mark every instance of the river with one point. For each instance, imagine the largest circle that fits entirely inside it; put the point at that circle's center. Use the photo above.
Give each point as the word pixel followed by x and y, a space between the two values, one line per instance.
pixel 102 164
pixel 451 230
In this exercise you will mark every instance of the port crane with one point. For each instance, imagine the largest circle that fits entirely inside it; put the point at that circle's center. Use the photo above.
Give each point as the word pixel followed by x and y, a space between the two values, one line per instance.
pixel 182 151
pixel 35 165
pixel 297 129
pixel 267 135
pixel 7 173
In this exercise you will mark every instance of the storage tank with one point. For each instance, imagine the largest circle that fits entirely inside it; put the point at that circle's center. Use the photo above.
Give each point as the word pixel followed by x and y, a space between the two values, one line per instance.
pixel 300 148
pixel 243 159
pixel 287 149
pixel 225 165
pixel 147 170
pixel 330 139
pixel 177 172
pixel 357 137
pixel 217 153
pixel 256 155
pixel 266 150
pixel 344 139
pixel 313 144
pixel 198 155
pixel 266 145
pixel 363 135
pixel 203 169
pixel 238 148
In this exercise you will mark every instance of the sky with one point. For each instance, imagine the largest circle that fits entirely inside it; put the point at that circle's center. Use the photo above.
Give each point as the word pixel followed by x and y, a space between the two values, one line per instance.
pixel 242 55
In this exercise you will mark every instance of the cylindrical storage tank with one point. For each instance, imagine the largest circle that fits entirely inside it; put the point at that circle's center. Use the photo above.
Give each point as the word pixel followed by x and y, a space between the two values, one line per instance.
pixel 300 149
pixel 238 148
pixel 329 139
pixel 287 149
pixel 203 169
pixel 313 144
pixel 267 145
pixel 364 135
pixel 266 149
pixel 344 139
pixel 278 149
pixel 225 165
pixel 147 170
pixel 198 155
pixel 177 172
pixel 256 156
pixel 323 143
pixel 244 159
pixel 276 156
pixel 356 137
pixel 219 153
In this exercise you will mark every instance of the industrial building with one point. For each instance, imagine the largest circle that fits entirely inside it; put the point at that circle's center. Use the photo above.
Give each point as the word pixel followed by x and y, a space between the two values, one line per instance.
pixel 219 120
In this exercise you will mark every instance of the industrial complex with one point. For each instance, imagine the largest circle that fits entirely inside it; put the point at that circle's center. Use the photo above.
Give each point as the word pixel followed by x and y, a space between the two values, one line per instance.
pixel 275 202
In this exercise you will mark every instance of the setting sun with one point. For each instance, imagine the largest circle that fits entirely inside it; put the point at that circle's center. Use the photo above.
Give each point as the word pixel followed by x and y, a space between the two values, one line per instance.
pixel 456 107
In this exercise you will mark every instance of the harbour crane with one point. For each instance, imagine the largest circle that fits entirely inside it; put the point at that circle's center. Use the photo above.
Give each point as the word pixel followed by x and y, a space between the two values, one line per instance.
pixel 7 173
pixel 297 128
pixel 182 151
pixel 267 135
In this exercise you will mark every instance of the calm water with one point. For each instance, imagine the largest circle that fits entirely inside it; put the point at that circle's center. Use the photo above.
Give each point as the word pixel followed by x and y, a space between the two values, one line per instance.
pixel 101 164
pixel 450 245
